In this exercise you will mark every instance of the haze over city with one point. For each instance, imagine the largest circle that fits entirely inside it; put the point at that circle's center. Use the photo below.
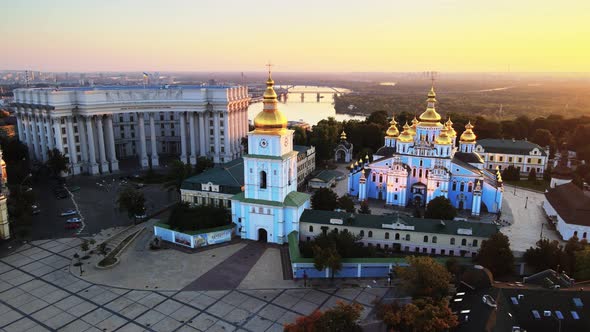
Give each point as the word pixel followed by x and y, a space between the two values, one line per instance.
pixel 339 36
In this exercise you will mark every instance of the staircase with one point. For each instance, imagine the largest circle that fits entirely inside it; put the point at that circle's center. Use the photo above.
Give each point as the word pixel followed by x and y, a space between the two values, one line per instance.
pixel 286 263
pixel 115 240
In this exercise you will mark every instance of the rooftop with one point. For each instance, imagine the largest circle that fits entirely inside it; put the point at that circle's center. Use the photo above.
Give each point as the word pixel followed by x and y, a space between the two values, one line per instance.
pixel 399 222
pixel 570 202
pixel 132 87
pixel 229 176
pixel 509 146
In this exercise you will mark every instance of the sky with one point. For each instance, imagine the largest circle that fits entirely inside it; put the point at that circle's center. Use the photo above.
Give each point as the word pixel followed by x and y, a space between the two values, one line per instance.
pixel 296 36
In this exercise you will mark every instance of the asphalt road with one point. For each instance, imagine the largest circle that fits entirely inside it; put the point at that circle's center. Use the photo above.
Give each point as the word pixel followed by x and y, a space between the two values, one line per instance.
pixel 96 201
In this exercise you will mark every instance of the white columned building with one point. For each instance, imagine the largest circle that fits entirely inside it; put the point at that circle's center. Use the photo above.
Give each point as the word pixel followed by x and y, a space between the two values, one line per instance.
pixel 95 127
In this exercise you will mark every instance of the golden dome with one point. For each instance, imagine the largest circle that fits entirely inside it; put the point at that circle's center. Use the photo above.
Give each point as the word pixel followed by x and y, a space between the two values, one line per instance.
pixel 468 136
pixel 430 115
pixel 450 130
pixel 343 136
pixel 392 131
pixel 412 128
pixel 270 120
pixel 406 136
pixel 443 138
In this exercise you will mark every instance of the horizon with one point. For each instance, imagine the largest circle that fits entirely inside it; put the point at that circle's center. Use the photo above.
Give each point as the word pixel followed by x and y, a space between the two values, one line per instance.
pixel 310 37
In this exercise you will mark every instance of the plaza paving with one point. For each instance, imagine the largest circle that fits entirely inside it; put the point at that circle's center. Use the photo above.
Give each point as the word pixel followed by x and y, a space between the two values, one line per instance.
pixel 39 293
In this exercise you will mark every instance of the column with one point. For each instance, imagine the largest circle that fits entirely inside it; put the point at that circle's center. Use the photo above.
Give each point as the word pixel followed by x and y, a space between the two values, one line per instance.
pixel 183 137
pixel 155 160
pixel 72 146
pixel 233 133
pixel 20 127
pixel 111 143
pixel 216 137
pixel 104 165
pixel 208 124
pixel 35 137
pixel 226 138
pixel 203 150
pixel 193 139
pixel 57 134
pixel 83 145
pixel 43 136
pixel 143 160
pixel 92 166
pixel 49 131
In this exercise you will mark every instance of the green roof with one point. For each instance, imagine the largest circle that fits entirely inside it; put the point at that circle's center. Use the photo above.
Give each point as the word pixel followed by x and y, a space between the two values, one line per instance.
pixel 326 175
pixel 450 227
pixel 294 198
pixel 508 146
pixel 283 157
pixel 230 176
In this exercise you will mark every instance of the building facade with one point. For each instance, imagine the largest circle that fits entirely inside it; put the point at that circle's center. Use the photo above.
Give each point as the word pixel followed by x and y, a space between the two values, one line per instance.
pixel 343 151
pixel 96 127
pixel 568 207
pixel 269 208
pixel 401 233
pixel 305 162
pixel 4 222
pixel 423 162
pixel 524 155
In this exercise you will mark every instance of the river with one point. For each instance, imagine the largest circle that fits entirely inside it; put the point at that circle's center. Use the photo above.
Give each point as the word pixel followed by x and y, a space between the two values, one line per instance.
pixel 310 109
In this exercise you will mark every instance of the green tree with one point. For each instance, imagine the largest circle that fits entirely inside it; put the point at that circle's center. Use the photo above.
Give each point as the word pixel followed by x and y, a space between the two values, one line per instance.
pixel 424 277
pixel 203 163
pixel 57 162
pixel 544 138
pixel 327 258
pixel 511 173
pixel 364 209
pixel 440 208
pixel 342 317
pixel 380 118
pixel 495 254
pixel 179 171
pixel 533 175
pixel 132 201
pixel 582 269
pixel 186 218
pixel 347 244
pixel 324 199
pixel 345 203
pixel 299 136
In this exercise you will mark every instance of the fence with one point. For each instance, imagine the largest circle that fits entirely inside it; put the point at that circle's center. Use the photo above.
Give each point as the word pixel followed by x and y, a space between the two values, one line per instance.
pixel 196 239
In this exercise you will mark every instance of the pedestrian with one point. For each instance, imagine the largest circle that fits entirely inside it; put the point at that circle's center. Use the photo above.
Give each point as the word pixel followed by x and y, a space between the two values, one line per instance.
pixel 304 278
pixel 389 281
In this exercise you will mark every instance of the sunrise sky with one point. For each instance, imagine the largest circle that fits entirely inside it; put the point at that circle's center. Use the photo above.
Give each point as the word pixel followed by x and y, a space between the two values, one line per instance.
pixel 301 35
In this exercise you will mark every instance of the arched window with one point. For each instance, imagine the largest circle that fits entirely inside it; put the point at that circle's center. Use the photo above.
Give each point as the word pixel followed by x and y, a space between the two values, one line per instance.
pixel 420 173
pixel 464 242
pixel 407 237
pixel 310 228
pixel 475 243
pixel 576 233
pixel 434 239
pixel 370 233
pixel 335 230
pixel 387 235
pixel 425 238
pixel 584 235
pixel 470 187
pixel 462 186
pixel 290 175
pixel 452 240
pixel 362 233
pixel 380 177
pixel 397 236
pixel 262 180
pixel 414 172
pixel 454 186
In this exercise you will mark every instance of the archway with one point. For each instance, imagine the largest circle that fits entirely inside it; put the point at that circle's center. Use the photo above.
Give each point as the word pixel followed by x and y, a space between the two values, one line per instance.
pixel 262 235
pixel 340 156
pixel 461 205
pixel 417 200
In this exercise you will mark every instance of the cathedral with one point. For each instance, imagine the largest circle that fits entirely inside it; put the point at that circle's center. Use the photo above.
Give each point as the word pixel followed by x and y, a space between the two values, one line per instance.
pixel 423 162
pixel 269 206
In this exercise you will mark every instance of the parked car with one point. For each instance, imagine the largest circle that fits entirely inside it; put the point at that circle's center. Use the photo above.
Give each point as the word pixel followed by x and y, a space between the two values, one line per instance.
pixel 68 213
pixel 74 220
pixel 73 226
pixel 139 186
pixel 140 216
pixel 36 211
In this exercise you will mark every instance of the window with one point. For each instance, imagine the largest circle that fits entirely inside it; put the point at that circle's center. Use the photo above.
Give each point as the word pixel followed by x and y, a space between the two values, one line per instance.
pixel 387 235
pixel 407 237
pixel 470 187
pixel 509 159
pixel 425 238
pixel 434 239
pixel 464 242
pixel 362 233
pixel 584 235
pixel 475 243
pixel 370 233
pixel 451 252
pixel 310 228
pixel 380 177
pixel 539 161
pixel 397 236
pixel 454 185
pixel 373 177
pixel 520 159
pixel 442 252
pixel 432 251
pixel 528 160
pixel 501 158
pixel 262 180
pixel 414 172
pixel 395 197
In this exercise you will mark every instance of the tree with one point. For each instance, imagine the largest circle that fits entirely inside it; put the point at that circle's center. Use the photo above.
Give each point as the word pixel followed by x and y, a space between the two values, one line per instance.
pixel 132 201
pixel 544 138
pixel 179 171
pixel 57 162
pixel 324 199
pixel 425 315
pixel 299 136
pixel 203 163
pixel 345 203
pixel 327 258
pixel 424 277
pixel 347 244
pixel 582 268
pixel 495 254
pixel 186 218
pixel 533 175
pixel 511 173
pixel 440 208
pixel 365 207
pixel 342 317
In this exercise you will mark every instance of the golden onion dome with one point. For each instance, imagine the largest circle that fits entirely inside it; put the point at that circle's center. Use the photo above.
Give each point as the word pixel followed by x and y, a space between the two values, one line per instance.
pixel 450 130
pixel 412 128
pixel 270 120
pixel 343 136
pixel 430 115
pixel 406 136
pixel 392 131
pixel 468 136
pixel 443 138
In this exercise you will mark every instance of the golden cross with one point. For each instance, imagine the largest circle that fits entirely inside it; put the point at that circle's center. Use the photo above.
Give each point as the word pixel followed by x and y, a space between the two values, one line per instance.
pixel 433 77
pixel 269 65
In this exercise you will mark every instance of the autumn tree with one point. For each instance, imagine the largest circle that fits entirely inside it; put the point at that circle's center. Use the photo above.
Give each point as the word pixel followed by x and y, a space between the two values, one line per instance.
pixel 495 254
pixel 425 315
pixel 342 317
pixel 365 208
pixel 327 258
pixel 424 277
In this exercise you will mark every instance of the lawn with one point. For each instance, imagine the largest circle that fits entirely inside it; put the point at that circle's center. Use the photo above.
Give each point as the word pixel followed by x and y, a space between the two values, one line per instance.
pixel 539 185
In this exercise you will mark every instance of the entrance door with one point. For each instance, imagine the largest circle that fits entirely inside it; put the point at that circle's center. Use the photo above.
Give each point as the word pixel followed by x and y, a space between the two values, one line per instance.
pixel 461 207
pixel 262 235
